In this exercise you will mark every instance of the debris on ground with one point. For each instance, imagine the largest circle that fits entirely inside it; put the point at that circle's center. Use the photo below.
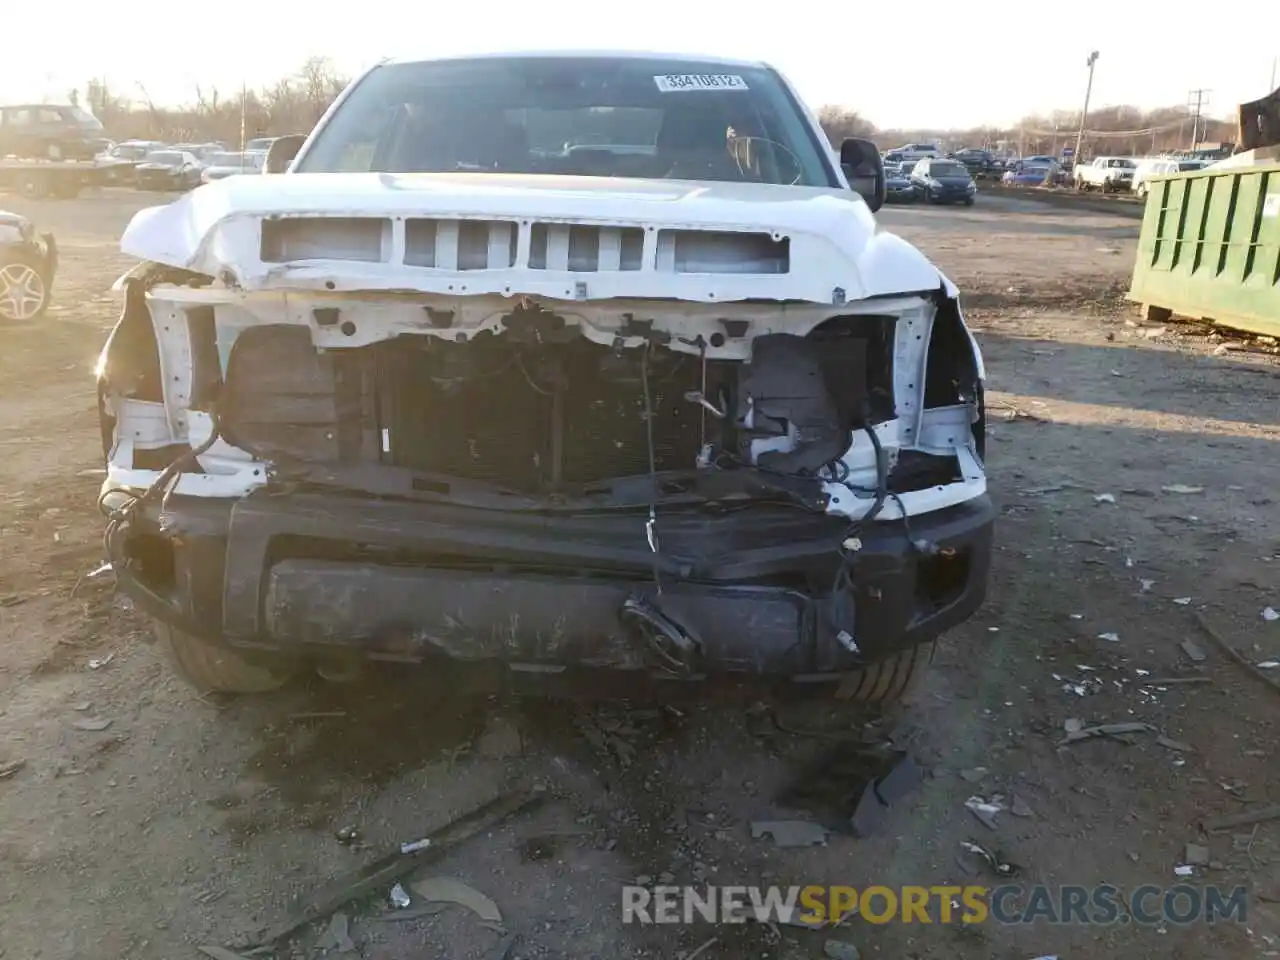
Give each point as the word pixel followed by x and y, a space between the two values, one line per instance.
pixel 974 774
pixel 1242 819
pixel 995 862
pixel 1019 807
pixel 340 933
pixel 1109 637
pixel 1182 870
pixel 1115 730
pixel 1172 744
pixel 450 890
pixel 1181 488
pixel 985 810
pixel 1073 725
pixel 97 663
pixel 347 835
pixel 92 724
pixel 1105 498
pixel 1270 615
pixel 399 897
pixel 840 950
pixel 10 767
pixel 852 785
pixel 702 948
pixel 1235 654
pixel 1195 854
pixel 1192 650
pixel 790 833
pixel 390 867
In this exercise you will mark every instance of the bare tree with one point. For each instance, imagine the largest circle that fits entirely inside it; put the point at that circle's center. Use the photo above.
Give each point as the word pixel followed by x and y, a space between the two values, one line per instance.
pixel 295 102
pixel 840 123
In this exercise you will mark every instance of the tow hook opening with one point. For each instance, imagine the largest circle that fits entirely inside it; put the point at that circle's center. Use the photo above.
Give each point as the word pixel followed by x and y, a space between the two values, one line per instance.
pixel 677 649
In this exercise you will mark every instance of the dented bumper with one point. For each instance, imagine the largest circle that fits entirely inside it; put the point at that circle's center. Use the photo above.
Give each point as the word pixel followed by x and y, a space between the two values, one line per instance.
pixel 422 582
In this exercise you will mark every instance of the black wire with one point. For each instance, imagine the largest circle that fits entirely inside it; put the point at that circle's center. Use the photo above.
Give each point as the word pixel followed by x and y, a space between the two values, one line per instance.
pixel 119 519
pixel 651 526
pixel 842 583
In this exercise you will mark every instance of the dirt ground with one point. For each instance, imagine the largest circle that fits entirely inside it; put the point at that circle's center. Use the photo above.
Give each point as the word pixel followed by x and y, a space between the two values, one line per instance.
pixel 191 821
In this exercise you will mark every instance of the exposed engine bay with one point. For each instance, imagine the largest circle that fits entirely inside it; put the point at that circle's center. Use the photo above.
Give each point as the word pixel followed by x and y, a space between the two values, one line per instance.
pixel 541 410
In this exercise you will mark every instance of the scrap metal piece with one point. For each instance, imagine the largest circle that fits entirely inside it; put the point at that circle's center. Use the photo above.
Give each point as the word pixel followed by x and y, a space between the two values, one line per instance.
pixel 449 890
pixel 790 833
pixel 392 866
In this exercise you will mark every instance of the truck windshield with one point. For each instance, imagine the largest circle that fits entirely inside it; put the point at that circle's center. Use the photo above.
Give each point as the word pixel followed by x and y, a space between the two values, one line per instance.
pixel 582 116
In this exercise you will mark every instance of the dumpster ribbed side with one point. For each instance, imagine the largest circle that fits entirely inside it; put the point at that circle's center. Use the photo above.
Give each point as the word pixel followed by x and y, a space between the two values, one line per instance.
pixel 1210 247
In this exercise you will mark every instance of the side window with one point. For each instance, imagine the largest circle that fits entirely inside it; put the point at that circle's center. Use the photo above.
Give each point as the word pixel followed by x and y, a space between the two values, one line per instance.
pixel 48 115
pixel 22 117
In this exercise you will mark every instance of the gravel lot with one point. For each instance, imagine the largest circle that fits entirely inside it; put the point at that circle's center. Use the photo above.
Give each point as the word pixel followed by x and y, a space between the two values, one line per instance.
pixel 191 821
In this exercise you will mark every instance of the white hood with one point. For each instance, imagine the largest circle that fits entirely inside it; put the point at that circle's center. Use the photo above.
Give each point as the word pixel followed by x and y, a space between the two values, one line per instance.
pixel 835 251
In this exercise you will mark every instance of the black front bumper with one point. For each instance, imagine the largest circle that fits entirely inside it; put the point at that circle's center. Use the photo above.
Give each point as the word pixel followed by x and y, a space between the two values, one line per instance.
pixel 335 575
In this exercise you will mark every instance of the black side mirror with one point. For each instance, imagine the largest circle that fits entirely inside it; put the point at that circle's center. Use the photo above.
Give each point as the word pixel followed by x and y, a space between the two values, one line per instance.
pixel 864 169
pixel 282 152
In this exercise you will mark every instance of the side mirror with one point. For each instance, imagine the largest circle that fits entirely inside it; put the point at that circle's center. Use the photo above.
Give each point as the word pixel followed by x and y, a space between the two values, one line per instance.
pixel 864 169
pixel 282 152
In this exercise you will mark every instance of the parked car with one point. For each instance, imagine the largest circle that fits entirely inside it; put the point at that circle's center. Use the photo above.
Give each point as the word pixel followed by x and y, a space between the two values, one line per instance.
pixel 1108 174
pixel 1161 167
pixel 938 180
pixel 28 262
pixel 223 165
pixel 894 156
pixel 135 150
pixel 978 162
pixel 260 144
pixel 168 170
pixel 898 185
pixel 386 433
pixel 918 151
pixel 49 131
pixel 1027 174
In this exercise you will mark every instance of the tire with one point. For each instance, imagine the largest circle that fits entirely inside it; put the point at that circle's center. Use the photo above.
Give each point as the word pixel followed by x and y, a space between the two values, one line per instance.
pixel 968 201
pixel 217 668
pixel 25 279
pixel 889 680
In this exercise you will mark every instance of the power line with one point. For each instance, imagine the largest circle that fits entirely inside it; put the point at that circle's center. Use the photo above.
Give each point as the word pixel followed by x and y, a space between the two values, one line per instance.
pixel 1197 100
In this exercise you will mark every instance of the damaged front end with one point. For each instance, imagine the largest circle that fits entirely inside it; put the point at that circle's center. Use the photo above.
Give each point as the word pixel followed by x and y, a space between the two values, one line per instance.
pixel 789 490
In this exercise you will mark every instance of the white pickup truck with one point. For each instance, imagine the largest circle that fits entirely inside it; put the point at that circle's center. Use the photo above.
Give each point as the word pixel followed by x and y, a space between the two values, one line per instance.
pixel 1108 174
pixel 560 367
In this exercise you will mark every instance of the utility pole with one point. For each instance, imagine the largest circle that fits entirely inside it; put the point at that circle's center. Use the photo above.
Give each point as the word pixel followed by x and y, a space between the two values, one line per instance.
pixel 1197 100
pixel 1084 112
pixel 244 95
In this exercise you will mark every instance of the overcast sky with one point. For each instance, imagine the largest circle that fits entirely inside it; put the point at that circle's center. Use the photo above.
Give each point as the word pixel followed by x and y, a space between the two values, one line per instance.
pixel 939 63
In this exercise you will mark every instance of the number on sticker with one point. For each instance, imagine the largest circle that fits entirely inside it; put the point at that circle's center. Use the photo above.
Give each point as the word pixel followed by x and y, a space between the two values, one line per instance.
pixel 677 83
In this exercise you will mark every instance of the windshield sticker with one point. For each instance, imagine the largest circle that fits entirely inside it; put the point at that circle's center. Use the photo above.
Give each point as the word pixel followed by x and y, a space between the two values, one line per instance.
pixel 1271 205
pixel 678 83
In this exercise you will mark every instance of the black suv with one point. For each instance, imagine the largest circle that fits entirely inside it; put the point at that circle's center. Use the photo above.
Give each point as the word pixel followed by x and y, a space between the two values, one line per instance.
pixel 49 131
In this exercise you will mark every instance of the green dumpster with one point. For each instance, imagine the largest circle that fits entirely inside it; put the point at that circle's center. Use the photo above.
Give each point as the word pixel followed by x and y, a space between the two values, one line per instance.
pixel 1210 248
